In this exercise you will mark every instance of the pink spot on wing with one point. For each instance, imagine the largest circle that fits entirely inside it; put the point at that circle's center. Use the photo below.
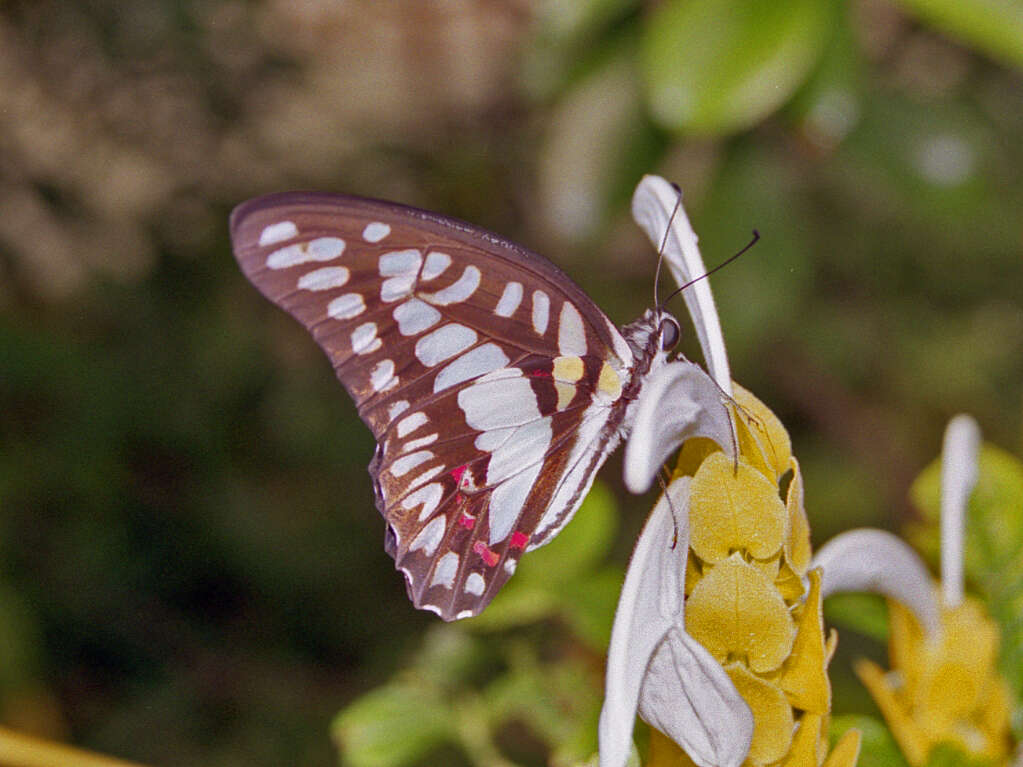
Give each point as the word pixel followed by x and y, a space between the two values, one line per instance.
pixel 489 557
pixel 539 373
pixel 518 540
pixel 467 522
pixel 458 472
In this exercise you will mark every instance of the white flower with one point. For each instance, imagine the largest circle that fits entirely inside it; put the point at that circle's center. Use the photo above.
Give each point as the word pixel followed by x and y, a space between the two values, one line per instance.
pixel 653 664
pixel 879 562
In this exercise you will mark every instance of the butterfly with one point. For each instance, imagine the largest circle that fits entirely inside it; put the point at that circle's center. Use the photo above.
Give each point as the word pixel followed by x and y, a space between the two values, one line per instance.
pixel 494 386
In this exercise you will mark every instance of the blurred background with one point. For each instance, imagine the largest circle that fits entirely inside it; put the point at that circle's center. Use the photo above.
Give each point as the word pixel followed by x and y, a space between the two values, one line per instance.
pixel 191 565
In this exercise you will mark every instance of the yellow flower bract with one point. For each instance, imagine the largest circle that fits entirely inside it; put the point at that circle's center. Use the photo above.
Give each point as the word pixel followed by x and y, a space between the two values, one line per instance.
pixel 946 688
pixel 747 599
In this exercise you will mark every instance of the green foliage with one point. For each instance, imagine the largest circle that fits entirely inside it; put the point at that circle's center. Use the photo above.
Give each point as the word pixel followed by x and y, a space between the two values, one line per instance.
pixel 994 549
pixel 992 26
pixel 949 755
pixel 877 746
pixel 718 66
pixel 865 613
pixel 472 679
pixel 396 724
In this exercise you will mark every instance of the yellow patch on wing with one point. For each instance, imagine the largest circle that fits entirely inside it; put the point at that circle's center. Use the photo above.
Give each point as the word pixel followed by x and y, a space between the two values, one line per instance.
pixel 609 383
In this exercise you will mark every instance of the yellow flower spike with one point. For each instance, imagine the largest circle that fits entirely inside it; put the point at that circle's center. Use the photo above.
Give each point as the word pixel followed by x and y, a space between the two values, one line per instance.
pixel 773 721
pixel 664 752
pixel 846 751
pixel 735 613
pixel 911 740
pixel 803 752
pixel 735 507
pixel 760 432
pixel 804 678
pixel 693 453
pixel 797 545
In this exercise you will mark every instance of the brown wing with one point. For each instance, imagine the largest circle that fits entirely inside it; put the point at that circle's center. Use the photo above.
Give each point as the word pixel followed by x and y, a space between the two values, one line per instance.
pixel 488 378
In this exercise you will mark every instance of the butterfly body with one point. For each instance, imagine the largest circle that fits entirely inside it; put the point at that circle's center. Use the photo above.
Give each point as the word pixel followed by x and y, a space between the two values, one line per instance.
pixel 494 386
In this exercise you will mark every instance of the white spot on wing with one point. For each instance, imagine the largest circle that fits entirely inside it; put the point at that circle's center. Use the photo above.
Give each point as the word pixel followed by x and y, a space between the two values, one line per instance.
pixel 402 466
pixel 402 267
pixel 443 343
pixel 429 537
pixel 571 335
pixel 397 409
pixel 525 448
pixel 475 362
pixel 415 444
pixel 541 311
pixel 510 300
pixel 509 565
pixel 429 496
pixel 324 279
pixel 498 402
pixel 444 572
pixel 282 230
pixel 463 614
pixel 375 232
pixel 415 316
pixel 436 263
pixel 507 500
pixel 400 262
pixel 475 584
pixel 347 306
pixel 320 249
pixel 489 441
pixel 426 476
pixel 364 338
pixel 410 423
pixel 458 291
pixel 382 377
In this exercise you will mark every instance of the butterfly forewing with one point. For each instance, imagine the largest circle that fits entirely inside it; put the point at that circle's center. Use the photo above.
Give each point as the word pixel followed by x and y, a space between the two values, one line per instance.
pixel 489 380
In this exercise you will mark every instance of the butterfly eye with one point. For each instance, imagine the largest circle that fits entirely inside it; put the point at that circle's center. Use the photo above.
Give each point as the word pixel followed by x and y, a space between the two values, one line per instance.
pixel 670 333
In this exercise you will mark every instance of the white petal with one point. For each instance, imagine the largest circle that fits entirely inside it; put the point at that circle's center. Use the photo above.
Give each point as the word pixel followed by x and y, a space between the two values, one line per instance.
pixel 651 603
pixel 958 477
pixel 653 204
pixel 688 696
pixel 694 409
pixel 882 563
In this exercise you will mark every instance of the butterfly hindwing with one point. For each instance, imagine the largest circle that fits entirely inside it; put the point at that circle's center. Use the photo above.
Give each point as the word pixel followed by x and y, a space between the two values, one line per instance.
pixel 489 380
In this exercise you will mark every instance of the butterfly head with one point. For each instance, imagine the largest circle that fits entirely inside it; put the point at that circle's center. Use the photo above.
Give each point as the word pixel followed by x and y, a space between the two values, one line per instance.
pixel 652 338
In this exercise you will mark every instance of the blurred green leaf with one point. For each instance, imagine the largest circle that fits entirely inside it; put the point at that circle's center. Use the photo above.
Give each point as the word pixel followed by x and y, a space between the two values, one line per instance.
pixel 865 613
pixel 949 755
pixel 992 26
pixel 393 725
pixel 877 746
pixel 718 66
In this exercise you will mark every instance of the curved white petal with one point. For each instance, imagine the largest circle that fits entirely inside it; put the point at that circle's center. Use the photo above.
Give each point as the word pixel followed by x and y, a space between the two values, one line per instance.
pixel 880 562
pixel 652 601
pixel 688 696
pixel 958 477
pixel 694 409
pixel 653 205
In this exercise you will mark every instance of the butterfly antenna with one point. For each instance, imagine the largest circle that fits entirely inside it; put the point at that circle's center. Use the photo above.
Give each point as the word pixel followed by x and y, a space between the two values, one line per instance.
pixel 664 241
pixel 722 265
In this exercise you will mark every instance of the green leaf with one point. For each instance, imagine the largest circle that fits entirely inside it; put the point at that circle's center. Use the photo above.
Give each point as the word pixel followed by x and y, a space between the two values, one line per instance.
pixel 949 755
pixel 392 725
pixel 992 26
pixel 717 66
pixel 877 746
pixel 865 613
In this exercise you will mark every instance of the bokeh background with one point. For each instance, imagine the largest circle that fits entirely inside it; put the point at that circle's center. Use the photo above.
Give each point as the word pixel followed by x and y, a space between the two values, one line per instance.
pixel 191 566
